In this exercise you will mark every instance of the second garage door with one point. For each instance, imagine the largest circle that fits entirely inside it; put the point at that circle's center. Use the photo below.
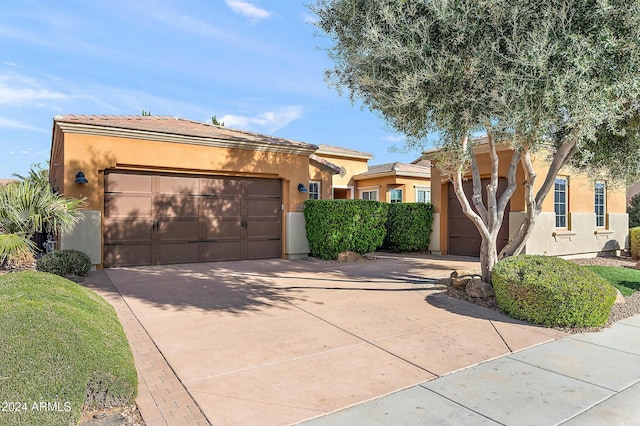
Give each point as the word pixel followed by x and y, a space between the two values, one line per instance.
pixel 162 219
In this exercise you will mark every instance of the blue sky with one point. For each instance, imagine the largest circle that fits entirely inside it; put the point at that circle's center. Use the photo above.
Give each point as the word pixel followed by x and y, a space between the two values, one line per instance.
pixel 257 65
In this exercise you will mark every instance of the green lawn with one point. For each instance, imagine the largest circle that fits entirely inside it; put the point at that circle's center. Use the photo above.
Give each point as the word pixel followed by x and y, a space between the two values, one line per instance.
pixel 61 347
pixel 624 279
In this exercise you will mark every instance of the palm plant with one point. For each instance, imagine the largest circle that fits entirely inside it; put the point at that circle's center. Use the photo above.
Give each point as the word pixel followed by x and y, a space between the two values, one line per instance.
pixel 27 207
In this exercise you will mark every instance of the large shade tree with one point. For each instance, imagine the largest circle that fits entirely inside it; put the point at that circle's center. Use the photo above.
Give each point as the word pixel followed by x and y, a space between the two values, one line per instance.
pixel 557 76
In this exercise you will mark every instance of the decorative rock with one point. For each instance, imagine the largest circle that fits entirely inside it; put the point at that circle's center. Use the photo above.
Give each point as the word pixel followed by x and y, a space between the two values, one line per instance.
pixel 461 273
pixel 479 289
pixel 637 265
pixel 460 283
pixel 619 298
pixel 350 256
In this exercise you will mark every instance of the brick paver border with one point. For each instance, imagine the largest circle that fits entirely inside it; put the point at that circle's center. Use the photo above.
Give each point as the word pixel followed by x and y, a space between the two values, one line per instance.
pixel 162 398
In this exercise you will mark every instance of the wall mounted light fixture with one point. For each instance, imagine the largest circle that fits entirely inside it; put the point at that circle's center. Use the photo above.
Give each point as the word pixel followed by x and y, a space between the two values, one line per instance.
pixel 81 179
pixel 301 188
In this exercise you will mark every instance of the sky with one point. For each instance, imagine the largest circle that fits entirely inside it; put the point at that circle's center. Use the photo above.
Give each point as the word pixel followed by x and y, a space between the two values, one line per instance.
pixel 257 65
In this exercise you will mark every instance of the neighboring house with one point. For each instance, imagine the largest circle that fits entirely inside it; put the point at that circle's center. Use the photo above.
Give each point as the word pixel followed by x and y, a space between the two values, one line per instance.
pixel 165 190
pixel 580 216
pixel 350 163
pixel 395 183
pixel 7 181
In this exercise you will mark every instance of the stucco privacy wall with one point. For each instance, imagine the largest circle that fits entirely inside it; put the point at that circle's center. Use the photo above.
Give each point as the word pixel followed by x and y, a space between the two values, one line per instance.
pixel 580 238
pixel 81 149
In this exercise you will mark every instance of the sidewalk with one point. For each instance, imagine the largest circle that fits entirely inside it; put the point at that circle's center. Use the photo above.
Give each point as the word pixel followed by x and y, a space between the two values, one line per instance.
pixel 585 379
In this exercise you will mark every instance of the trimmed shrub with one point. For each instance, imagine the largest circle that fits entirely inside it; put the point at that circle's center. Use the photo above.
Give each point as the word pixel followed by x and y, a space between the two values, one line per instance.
pixel 552 292
pixel 634 211
pixel 65 262
pixel 335 226
pixel 634 240
pixel 408 226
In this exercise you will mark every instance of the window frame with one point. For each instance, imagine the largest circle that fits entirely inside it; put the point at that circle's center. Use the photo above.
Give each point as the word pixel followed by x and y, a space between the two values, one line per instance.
pixel 370 191
pixel 395 191
pixel 561 219
pixel 601 219
pixel 318 192
pixel 426 190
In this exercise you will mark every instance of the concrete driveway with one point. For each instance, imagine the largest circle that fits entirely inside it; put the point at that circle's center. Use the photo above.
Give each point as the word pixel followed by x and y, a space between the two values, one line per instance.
pixel 278 342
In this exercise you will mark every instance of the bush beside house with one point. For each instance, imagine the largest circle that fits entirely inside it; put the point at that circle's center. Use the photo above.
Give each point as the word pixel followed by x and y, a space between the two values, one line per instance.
pixel 336 226
pixel 552 292
pixel 634 239
pixel 408 226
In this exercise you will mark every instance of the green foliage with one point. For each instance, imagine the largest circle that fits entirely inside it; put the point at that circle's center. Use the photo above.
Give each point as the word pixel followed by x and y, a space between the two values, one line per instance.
pixel 60 343
pixel 64 263
pixel 408 226
pixel 634 239
pixel 214 121
pixel 552 292
pixel 626 280
pixel 29 206
pixel 633 209
pixel 335 226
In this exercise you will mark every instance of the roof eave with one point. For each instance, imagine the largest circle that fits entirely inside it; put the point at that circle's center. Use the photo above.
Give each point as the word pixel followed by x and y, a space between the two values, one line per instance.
pixel 97 130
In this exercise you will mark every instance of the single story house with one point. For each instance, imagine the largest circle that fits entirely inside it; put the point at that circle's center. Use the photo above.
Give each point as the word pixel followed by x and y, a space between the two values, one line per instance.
pixel 580 217
pixel 395 183
pixel 163 190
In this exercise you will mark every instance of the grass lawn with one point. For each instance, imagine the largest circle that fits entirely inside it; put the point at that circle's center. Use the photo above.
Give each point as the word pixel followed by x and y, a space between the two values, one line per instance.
pixel 624 279
pixel 61 347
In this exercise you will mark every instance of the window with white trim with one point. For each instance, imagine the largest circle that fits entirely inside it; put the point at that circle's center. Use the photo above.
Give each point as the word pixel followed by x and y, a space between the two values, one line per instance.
pixel 423 195
pixel 395 196
pixel 560 193
pixel 369 195
pixel 600 203
pixel 314 190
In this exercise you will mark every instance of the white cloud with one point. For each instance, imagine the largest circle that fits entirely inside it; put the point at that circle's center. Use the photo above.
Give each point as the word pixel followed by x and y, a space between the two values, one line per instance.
pixel 17 90
pixel 247 9
pixel 268 122
pixel 393 138
pixel 8 123
pixel 308 18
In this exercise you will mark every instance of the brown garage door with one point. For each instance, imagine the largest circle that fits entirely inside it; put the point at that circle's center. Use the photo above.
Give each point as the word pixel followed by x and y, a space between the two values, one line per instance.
pixel 464 238
pixel 164 219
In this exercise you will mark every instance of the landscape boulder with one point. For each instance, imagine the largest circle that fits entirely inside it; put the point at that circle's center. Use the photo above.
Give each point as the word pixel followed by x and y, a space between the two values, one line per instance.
pixel 477 288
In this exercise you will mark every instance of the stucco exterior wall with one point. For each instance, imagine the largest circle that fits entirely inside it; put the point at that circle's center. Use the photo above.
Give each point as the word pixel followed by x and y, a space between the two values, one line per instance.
pixel 581 237
pixel 350 166
pixel 325 179
pixel 93 154
pixel 387 183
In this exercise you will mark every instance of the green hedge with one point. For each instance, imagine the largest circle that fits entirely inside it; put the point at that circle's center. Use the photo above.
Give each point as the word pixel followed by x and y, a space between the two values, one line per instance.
pixel 408 226
pixel 335 226
pixel 64 263
pixel 634 237
pixel 552 292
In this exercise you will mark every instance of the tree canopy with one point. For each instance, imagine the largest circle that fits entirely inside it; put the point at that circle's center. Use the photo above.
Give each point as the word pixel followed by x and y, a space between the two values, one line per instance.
pixel 558 75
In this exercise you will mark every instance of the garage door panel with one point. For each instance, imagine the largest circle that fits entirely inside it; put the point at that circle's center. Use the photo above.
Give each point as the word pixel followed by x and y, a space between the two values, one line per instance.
pixel 177 185
pixel 128 206
pixel 128 254
pixel 127 182
pixel 264 188
pixel 222 250
pixel 178 230
pixel 214 229
pixel 263 208
pixel 220 186
pixel 128 230
pixel 263 229
pixel 221 207
pixel 175 206
pixel 179 253
pixel 264 249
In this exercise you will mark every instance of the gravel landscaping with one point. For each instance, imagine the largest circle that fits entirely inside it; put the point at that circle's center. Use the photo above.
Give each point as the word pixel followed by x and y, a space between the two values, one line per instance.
pixel 630 307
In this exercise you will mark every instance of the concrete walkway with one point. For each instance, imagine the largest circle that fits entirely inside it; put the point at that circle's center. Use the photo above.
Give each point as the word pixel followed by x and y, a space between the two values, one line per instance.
pixel 587 379
pixel 278 342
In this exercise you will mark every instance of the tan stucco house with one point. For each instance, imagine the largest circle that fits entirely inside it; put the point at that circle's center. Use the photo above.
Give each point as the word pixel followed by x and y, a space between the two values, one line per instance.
pixel 580 216
pixel 395 183
pixel 163 190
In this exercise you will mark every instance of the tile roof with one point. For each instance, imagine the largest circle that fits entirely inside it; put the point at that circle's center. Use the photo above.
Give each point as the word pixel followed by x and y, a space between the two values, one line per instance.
pixel 324 164
pixel 397 168
pixel 338 150
pixel 178 126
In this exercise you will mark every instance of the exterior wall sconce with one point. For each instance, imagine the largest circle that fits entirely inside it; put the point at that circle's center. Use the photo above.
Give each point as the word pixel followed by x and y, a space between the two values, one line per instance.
pixel 81 179
pixel 301 188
